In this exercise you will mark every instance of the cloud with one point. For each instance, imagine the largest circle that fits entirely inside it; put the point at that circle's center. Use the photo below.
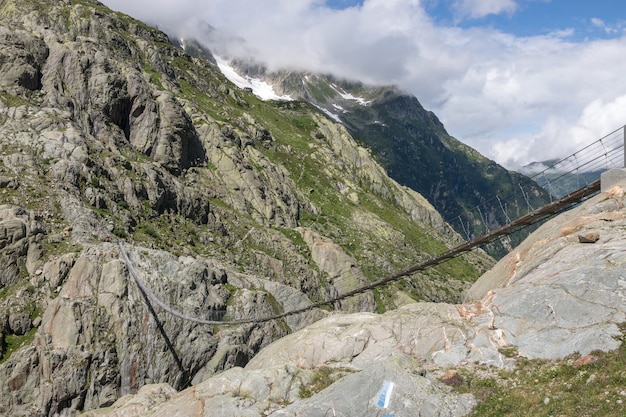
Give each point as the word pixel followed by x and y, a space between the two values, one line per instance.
pixel 606 28
pixel 532 103
pixel 559 138
pixel 514 99
pixel 474 9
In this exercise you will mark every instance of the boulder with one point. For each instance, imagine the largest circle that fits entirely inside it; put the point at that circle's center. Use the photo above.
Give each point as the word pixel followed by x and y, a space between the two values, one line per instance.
pixel 553 296
pixel 55 271
pixel 395 386
pixel 148 397
pixel 8 182
pixel 11 231
pixel 159 127
pixel 21 57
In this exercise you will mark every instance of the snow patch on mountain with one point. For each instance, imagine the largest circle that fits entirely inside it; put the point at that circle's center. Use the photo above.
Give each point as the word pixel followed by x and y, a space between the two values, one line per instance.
pixel 341 109
pixel 260 88
pixel 359 100
pixel 348 96
pixel 328 113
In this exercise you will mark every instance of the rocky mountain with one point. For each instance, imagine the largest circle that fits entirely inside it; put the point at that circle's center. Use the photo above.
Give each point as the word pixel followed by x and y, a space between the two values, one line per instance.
pixel 559 296
pixel 123 155
pixel 415 149
pixel 227 206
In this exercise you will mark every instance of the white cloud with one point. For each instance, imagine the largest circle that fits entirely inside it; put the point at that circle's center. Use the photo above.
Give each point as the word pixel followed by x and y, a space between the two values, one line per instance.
pixel 475 9
pixel 515 99
pixel 521 108
pixel 560 138
pixel 608 29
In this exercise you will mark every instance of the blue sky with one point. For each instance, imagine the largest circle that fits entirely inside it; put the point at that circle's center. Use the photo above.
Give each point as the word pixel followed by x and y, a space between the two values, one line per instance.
pixel 518 80
pixel 534 17
pixel 343 4
pixel 527 18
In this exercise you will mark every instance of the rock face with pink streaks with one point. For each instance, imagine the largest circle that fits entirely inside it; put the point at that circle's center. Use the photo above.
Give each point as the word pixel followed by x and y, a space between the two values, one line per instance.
pixel 551 297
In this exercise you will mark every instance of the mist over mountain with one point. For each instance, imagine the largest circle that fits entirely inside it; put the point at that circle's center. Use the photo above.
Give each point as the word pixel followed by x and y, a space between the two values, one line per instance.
pixel 413 146
pixel 409 141
pixel 529 88
pixel 170 244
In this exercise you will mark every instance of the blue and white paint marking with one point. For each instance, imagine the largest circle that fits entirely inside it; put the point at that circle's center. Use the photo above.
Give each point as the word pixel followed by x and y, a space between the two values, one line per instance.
pixel 384 398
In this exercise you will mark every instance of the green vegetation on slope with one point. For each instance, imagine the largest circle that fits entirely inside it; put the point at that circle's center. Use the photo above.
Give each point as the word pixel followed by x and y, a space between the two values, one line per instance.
pixel 296 140
pixel 553 388
pixel 293 141
pixel 415 149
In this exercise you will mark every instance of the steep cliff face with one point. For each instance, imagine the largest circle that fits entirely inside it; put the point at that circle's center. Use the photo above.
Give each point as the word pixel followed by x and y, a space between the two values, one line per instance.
pixel 229 207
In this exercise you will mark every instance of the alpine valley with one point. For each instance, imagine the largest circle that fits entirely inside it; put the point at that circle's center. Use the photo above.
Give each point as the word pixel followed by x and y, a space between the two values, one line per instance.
pixel 124 154
pixel 413 147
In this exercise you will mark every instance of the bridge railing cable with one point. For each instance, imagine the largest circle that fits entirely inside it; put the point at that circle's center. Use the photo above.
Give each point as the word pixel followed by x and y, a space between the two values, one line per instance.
pixel 537 215
pixel 557 178
pixel 570 181
pixel 583 166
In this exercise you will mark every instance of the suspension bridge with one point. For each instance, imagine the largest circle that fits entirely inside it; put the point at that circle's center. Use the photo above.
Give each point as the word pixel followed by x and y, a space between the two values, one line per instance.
pixel 568 181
